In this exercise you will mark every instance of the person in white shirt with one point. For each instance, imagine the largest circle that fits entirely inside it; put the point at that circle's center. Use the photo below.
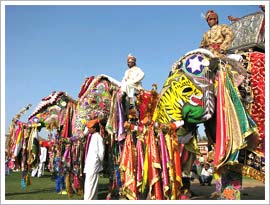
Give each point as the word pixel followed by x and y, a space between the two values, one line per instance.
pixel 131 84
pixel 94 161
pixel 42 159
pixel 206 175
pixel 132 80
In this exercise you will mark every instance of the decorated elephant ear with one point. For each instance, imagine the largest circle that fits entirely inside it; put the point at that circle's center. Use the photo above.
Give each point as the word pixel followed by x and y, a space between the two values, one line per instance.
pixel 214 64
pixel 85 85
pixel 213 67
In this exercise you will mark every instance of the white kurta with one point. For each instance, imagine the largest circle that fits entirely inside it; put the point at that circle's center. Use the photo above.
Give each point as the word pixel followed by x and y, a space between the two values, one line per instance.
pixel 207 172
pixel 132 80
pixel 42 160
pixel 93 165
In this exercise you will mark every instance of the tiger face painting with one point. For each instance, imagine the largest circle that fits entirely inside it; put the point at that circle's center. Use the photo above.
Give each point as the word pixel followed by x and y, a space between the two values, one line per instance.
pixel 188 93
pixel 181 92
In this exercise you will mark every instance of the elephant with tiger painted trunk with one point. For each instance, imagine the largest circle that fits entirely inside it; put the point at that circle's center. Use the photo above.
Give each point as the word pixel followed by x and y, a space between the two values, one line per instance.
pixel 204 89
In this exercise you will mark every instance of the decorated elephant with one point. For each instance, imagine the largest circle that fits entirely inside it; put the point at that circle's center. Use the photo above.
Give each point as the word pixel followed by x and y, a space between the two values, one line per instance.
pixel 56 113
pixel 14 141
pixel 226 95
pixel 203 89
pixel 66 120
pixel 100 97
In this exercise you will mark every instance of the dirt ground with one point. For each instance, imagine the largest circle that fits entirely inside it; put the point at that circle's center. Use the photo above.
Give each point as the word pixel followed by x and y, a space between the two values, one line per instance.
pixel 252 190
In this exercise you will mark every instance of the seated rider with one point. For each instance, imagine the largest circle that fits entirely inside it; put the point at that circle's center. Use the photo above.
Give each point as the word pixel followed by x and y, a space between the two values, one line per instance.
pixel 218 38
pixel 131 83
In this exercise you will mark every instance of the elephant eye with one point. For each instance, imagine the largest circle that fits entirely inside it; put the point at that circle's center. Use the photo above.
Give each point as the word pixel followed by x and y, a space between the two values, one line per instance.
pixel 187 90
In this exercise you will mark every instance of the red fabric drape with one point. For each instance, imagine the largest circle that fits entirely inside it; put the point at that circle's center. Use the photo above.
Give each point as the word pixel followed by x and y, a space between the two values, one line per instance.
pixel 128 167
pixel 154 167
pixel 257 81
pixel 221 125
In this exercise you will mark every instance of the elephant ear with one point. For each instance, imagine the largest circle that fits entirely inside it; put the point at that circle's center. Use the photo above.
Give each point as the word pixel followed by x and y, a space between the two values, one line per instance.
pixel 214 64
pixel 213 67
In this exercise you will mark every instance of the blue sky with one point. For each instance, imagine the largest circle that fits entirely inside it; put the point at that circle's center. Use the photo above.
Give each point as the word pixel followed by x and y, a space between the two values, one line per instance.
pixel 53 48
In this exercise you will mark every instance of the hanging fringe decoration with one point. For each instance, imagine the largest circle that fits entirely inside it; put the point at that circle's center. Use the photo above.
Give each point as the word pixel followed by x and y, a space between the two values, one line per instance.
pixel 68 185
pixel 66 131
pixel 154 168
pixel 165 162
pixel 127 166
pixel 221 134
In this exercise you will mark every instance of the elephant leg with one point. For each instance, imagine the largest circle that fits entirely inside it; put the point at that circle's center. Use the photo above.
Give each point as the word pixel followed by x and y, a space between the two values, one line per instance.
pixel 186 177
pixel 231 185
pixel 185 189
pixel 210 131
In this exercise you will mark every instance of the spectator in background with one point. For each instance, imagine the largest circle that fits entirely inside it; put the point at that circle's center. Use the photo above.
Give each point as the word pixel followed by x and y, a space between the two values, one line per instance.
pixel 201 160
pixel 42 159
pixel 60 185
pixel 206 175
pixel 196 170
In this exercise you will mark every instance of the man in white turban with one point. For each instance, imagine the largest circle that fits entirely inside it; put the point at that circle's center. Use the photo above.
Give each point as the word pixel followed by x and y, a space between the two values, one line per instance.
pixel 132 80
pixel 131 84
